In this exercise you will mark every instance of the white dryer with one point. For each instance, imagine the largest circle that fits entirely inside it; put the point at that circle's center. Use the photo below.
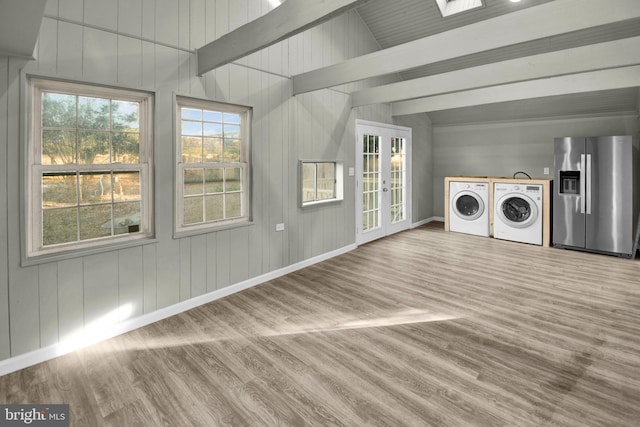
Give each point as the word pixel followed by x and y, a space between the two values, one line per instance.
pixel 518 212
pixel 469 207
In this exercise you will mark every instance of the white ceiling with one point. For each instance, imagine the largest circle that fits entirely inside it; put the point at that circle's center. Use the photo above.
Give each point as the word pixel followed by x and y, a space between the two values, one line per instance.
pixel 402 21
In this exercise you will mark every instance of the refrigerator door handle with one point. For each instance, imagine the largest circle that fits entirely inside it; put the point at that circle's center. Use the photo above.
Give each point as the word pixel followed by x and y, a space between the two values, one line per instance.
pixel 583 168
pixel 588 184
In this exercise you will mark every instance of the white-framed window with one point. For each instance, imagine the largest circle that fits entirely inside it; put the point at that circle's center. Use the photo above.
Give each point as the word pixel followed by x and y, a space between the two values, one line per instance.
pixel 213 164
pixel 320 182
pixel 90 154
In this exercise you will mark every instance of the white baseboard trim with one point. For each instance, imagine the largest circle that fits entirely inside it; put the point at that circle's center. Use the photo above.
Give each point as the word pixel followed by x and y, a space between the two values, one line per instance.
pixel 427 221
pixel 25 360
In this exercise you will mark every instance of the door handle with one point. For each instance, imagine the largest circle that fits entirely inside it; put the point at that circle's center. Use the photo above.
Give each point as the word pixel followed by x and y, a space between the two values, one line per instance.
pixel 583 177
pixel 385 189
pixel 588 185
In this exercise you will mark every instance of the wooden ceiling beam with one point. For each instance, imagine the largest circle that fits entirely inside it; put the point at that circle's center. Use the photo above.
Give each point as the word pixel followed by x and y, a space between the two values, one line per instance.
pixel 618 53
pixel 286 20
pixel 546 20
pixel 608 79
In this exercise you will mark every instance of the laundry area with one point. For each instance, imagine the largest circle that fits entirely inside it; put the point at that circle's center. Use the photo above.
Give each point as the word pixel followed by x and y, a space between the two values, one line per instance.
pixel 593 205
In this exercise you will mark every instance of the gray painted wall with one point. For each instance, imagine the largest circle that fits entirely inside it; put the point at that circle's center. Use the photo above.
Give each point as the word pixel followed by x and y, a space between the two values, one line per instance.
pixel 506 148
pixel 149 44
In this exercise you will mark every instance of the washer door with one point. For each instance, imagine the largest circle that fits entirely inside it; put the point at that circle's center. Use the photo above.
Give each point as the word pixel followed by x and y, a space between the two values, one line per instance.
pixel 467 205
pixel 517 210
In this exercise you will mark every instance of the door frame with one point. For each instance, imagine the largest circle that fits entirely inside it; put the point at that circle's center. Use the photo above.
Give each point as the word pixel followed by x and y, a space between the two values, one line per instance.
pixel 390 228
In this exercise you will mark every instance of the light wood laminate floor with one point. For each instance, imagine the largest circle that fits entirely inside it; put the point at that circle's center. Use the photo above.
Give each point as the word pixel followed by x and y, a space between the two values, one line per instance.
pixel 421 328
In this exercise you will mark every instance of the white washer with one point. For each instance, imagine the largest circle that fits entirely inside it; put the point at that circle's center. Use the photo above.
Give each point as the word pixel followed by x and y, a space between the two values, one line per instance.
pixel 469 207
pixel 517 213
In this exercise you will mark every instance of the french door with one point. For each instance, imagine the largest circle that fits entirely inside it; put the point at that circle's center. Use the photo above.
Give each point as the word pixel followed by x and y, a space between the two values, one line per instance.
pixel 383 194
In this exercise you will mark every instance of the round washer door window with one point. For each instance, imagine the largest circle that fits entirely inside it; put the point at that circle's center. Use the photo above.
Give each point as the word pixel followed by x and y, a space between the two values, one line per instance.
pixel 517 210
pixel 468 205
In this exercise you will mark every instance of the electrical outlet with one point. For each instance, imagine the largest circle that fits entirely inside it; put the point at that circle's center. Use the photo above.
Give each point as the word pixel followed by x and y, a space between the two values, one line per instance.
pixel 546 171
pixel 280 227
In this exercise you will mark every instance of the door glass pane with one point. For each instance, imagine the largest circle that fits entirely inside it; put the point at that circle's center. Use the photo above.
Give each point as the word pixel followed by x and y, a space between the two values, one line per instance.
pixel 398 180
pixel 370 182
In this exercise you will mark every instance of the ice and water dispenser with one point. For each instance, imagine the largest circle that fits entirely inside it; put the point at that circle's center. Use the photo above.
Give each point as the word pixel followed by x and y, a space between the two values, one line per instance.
pixel 569 182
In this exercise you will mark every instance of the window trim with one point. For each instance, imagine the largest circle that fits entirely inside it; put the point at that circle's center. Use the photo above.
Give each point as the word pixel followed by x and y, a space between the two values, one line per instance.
pixel 34 251
pixel 339 183
pixel 246 113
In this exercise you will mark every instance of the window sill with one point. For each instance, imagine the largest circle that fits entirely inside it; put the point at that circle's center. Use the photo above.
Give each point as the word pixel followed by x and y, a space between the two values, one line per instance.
pixel 81 252
pixel 320 203
pixel 208 229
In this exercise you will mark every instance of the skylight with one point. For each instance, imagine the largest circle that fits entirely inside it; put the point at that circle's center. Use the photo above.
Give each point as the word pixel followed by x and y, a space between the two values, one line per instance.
pixel 451 7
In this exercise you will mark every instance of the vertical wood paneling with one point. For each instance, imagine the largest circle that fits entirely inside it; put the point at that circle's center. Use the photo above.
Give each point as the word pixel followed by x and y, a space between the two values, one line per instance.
pixel 184 12
pixel 5 345
pixel 221 18
pixel 51 8
pixel 47 47
pixel 148 64
pixel 130 61
pixel 258 151
pixel 238 255
pixel 23 282
pixel 167 26
pixel 185 269
pixel 100 277
pixel 48 294
pixel 70 43
pixel 198 267
pixel 71 9
pixel 197 24
pixel 212 262
pixel 167 66
pixel 131 281
pixel 185 72
pixel 210 26
pixel 148 19
pixel 222 259
pixel 70 297
pixel 150 278
pixel 100 55
pixel 24 310
pixel 130 17
pixel 102 14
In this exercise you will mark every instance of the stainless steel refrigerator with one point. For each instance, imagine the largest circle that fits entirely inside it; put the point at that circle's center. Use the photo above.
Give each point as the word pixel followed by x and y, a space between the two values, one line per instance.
pixel 593 203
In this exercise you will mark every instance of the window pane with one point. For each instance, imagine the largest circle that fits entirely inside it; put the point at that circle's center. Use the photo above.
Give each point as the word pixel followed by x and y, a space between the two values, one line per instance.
pixel 192 210
pixel 193 181
pixel 213 150
pixel 231 150
pixel 191 113
pixel 93 148
pixel 232 118
pixel 58 110
pixel 126 186
pixel 233 179
pixel 58 147
pixel 233 205
pixel 191 128
pixel 93 113
pixel 191 149
pixel 213 181
pixel 59 190
pixel 59 226
pixel 214 207
pixel 95 187
pixel 308 182
pixel 125 115
pixel 231 131
pixel 95 221
pixel 126 148
pixel 326 177
pixel 213 116
pixel 126 217
pixel 212 129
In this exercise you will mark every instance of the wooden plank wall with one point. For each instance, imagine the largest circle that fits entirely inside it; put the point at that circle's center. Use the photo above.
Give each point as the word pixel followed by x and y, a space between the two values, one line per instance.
pixel 150 44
